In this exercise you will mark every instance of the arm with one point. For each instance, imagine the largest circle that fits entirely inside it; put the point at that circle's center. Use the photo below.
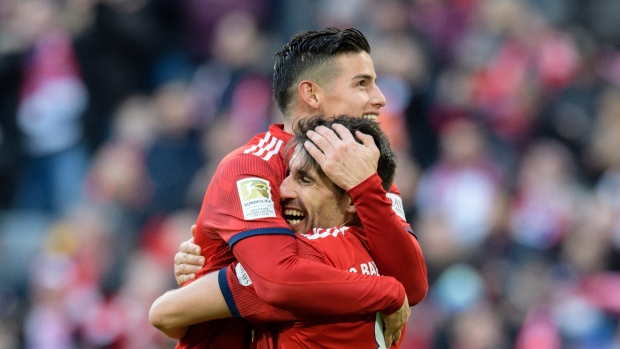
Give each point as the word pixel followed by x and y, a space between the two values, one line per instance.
pixel 264 244
pixel 395 250
pixel 174 311
pixel 187 260
pixel 352 166
pixel 283 279
pixel 242 299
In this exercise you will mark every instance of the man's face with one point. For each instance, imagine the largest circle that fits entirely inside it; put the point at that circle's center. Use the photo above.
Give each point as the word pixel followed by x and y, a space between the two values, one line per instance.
pixel 310 200
pixel 353 91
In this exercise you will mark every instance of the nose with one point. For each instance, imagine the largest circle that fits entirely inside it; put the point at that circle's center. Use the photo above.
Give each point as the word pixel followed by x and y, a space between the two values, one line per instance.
pixel 377 98
pixel 286 189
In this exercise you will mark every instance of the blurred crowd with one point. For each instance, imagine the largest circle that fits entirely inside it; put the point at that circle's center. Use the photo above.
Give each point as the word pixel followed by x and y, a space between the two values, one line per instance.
pixel 505 115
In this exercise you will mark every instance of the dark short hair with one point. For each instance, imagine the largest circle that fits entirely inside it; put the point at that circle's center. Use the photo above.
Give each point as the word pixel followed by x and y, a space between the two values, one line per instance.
pixel 386 167
pixel 307 50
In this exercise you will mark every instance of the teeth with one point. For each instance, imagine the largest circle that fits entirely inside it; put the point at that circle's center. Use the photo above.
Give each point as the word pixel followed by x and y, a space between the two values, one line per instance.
pixel 293 221
pixel 293 213
pixel 370 116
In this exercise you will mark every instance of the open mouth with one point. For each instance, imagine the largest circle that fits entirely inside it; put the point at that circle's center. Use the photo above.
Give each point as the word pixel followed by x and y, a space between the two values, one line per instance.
pixel 293 216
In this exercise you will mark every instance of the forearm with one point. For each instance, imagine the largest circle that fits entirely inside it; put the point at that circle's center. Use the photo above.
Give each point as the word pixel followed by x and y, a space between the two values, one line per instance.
pixel 197 302
pixel 395 250
pixel 284 280
pixel 159 319
pixel 245 303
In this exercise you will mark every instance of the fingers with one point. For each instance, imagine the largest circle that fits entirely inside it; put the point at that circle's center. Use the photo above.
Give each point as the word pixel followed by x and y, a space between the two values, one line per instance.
pixel 182 258
pixel 186 266
pixel 366 140
pixel 184 278
pixel 396 337
pixel 189 247
pixel 193 231
pixel 330 135
pixel 319 142
pixel 388 340
pixel 326 138
pixel 188 261
pixel 392 334
pixel 343 132
pixel 315 152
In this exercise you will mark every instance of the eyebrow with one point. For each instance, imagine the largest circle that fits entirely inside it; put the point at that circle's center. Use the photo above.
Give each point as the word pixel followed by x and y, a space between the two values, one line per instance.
pixel 363 76
pixel 303 173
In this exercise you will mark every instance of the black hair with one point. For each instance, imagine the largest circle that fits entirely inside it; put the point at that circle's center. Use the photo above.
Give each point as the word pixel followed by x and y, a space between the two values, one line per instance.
pixel 386 167
pixel 307 50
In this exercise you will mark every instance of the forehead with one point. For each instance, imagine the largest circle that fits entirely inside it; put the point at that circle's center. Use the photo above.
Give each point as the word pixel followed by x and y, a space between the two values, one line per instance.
pixel 355 64
pixel 300 160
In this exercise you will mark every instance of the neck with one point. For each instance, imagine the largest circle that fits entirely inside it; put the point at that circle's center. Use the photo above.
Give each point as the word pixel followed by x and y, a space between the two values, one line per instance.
pixel 288 126
pixel 300 111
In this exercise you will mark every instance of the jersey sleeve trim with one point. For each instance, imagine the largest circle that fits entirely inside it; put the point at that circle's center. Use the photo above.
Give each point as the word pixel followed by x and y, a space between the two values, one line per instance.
pixel 410 231
pixel 261 231
pixel 227 293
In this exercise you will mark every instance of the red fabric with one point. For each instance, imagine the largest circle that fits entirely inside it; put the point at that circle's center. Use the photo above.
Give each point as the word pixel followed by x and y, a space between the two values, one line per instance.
pixel 345 248
pixel 396 251
pixel 223 333
pixel 273 263
pixel 340 247
pixel 283 279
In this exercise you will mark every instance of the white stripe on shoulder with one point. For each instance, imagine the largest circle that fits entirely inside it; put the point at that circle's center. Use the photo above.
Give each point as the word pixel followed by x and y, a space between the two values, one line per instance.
pixel 261 143
pixel 269 145
pixel 273 151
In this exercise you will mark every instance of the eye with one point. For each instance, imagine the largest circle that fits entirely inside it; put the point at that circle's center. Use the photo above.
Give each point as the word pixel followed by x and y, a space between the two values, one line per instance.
pixel 362 83
pixel 305 180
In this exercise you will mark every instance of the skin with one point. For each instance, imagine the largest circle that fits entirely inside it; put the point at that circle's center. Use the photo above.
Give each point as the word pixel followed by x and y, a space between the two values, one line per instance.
pixel 321 204
pixel 310 200
pixel 358 96
pixel 351 90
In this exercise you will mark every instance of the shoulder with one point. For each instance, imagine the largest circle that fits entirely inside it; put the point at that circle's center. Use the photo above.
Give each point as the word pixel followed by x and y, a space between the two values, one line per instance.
pixel 261 156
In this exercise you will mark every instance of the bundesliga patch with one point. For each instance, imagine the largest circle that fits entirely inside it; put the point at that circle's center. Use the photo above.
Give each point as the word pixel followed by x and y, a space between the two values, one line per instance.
pixel 255 196
pixel 397 205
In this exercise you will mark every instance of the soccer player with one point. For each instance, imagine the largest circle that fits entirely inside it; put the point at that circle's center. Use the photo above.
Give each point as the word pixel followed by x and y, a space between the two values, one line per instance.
pixel 327 72
pixel 308 192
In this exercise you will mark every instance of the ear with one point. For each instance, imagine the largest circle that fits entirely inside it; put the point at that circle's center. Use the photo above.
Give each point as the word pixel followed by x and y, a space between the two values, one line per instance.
pixel 308 92
pixel 350 207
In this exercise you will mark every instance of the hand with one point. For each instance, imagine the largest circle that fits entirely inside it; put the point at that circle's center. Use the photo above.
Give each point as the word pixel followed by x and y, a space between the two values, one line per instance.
pixel 188 261
pixel 394 323
pixel 345 161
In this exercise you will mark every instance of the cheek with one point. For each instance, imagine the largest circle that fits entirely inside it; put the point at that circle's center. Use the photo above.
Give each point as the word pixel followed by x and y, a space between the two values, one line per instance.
pixel 346 101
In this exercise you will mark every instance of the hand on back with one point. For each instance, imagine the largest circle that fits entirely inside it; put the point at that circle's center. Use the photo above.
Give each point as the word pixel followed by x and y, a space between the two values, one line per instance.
pixel 188 261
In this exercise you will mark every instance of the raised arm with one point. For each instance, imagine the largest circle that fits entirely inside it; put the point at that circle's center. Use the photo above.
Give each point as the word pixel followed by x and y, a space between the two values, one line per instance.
pixel 394 249
pixel 262 241
pixel 353 166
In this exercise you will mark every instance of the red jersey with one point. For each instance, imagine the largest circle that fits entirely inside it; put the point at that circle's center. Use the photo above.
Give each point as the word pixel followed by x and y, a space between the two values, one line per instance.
pixel 343 248
pixel 243 201
pixel 346 248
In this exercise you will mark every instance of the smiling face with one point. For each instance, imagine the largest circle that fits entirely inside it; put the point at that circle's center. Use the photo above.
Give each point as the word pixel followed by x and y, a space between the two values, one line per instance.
pixel 352 90
pixel 311 200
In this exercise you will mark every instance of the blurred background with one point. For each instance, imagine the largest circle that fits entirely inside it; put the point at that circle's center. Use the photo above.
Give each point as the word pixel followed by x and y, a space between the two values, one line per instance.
pixel 505 115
